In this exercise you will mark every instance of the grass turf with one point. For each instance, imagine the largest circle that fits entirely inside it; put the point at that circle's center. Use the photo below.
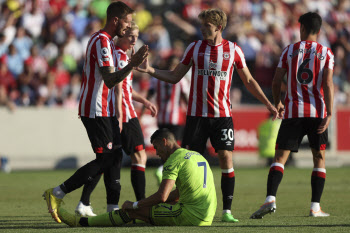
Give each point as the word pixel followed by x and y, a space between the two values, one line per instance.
pixel 22 209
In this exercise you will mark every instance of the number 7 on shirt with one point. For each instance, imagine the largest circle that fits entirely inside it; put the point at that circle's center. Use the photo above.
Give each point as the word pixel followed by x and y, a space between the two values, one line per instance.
pixel 204 164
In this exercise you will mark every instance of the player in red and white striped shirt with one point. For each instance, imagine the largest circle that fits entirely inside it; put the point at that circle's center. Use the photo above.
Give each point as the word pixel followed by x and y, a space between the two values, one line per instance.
pixel 307 110
pixel 97 112
pixel 209 110
pixel 132 137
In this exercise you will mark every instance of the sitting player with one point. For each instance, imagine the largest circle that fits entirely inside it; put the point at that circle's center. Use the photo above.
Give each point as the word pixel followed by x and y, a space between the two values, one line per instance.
pixel 192 203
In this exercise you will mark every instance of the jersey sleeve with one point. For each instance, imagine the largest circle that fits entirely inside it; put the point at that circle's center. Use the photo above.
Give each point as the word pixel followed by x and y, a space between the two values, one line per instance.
pixel 239 58
pixel 104 52
pixel 283 59
pixel 329 60
pixel 187 58
pixel 170 170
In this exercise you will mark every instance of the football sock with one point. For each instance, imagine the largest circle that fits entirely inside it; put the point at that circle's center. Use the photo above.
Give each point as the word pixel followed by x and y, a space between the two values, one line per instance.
pixel 111 207
pixel 274 178
pixel 88 188
pixel 227 187
pixel 114 218
pixel 270 199
pixel 318 179
pixel 315 206
pixel 138 180
pixel 111 178
pixel 58 192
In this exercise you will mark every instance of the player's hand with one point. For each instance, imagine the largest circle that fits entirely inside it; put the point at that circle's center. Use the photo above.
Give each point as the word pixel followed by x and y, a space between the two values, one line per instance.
pixel 139 57
pixel 273 111
pixel 280 109
pixel 152 108
pixel 127 205
pixel 144 68
pixel 324 124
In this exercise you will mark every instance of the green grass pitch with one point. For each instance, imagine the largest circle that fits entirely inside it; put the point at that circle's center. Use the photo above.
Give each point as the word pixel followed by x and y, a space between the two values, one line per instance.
pixel 22 209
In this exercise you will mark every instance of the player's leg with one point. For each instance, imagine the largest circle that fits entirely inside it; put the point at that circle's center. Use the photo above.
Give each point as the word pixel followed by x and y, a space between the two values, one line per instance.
pixel 84 206
pixel 222 138
pixel 138 179
pixel 112 179
pixel 318 145
pixel 289 137
pixel 134 145
pixel 55 195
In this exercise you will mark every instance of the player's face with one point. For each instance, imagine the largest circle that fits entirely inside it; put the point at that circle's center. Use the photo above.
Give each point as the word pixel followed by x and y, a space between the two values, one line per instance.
pixel 208 30
pixel 160 149
pixel 130 38
pixel 123 25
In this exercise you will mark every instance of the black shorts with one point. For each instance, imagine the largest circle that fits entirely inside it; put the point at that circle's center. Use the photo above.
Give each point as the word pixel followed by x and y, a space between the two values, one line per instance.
pixel 132 137
pixel 199 129
pixel 293 130
pixel 103 132
pixel 177 130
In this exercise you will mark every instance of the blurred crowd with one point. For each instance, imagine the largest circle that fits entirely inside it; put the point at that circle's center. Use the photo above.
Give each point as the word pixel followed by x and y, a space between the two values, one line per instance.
pixel 43 42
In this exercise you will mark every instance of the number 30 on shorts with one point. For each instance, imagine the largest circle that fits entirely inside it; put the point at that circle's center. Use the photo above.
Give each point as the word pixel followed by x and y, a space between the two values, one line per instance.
pixel 227 134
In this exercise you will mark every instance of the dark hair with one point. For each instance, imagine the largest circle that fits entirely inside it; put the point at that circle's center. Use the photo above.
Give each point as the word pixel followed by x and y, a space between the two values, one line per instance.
pixel 312 22
pixel 118 9
pixel 162 133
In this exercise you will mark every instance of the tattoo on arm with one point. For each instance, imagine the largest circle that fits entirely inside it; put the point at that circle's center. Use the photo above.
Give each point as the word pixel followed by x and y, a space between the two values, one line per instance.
pixel 111 77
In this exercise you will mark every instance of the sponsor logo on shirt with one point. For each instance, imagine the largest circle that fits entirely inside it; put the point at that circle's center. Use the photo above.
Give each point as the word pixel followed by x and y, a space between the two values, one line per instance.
pixel 217 73
pixel 168 168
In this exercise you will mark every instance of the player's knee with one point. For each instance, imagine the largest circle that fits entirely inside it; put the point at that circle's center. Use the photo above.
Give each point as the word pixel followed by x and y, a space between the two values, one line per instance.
pixel 139 157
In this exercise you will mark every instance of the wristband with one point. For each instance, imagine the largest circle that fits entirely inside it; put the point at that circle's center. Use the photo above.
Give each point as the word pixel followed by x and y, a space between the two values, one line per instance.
pixel 135 205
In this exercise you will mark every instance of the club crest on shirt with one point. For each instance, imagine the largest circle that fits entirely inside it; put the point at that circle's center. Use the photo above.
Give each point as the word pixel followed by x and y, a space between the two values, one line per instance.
pixel 109 146
pixel 104 52
pixel 226 56
pixel 212 65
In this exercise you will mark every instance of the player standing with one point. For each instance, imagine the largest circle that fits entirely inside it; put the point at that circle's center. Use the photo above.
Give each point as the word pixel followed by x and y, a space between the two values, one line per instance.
pixel 192 203
pixel 209 110
pixel 97 109
pixel 132 138
pixel 307 111
pixel 131 133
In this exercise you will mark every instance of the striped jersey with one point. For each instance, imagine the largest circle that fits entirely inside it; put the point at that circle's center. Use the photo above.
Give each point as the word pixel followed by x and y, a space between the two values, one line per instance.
pixel 305 62
pixel 96 99
pixel 212 69
pixel 168 100
pixel 128 109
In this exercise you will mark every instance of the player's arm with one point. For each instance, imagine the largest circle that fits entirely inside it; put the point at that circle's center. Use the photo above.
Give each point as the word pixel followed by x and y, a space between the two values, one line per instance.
pixel 328 90
pixel 173 196
pixel 169 76
pixel 276 90
pixel 160 196
pixel 112 77
pixel 254 88
pixel 147 104
pixel 118 103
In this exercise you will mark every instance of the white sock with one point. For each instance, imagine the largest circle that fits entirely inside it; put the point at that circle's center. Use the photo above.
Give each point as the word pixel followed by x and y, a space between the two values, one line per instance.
pixel 57 192
pixel 270 199
pixel 315 206
pixel 111 207
pixel 226 211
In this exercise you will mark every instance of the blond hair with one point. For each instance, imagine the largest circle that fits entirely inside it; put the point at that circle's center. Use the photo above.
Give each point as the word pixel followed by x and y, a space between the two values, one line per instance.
pixel 214 16
pixel 134 26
